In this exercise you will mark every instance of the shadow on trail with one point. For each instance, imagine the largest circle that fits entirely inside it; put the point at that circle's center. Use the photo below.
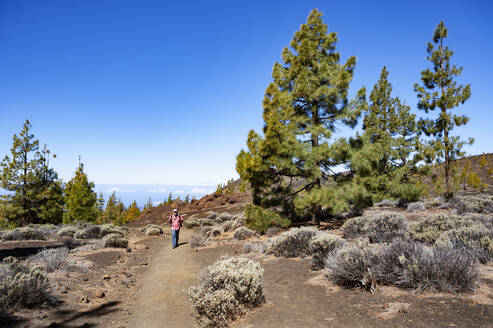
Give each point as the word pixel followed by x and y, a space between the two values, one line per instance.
pixel 66 318
pixel 7 320
pixel 182 243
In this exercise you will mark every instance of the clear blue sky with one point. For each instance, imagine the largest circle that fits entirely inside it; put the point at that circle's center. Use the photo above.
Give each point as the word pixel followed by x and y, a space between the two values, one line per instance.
pixel 165 92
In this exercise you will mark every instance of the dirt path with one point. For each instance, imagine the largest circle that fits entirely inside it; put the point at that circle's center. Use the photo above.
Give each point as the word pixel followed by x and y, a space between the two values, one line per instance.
pixel 162 300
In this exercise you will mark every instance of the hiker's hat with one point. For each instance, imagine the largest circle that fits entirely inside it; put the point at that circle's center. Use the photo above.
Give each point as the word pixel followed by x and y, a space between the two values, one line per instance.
pixel 175 211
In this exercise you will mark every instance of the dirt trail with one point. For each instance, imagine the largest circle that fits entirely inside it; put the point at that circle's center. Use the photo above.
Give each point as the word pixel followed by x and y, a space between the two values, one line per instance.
pixel 162 300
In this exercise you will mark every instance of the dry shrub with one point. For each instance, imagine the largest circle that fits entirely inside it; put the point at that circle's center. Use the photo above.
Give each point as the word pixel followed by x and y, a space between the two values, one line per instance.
pixel 115 240
pixel 381 227
pixel 321 245
pixel 407 264
pixel 227 289
pixel 253 248
pixel 214 232
pixel 434 203
pixel 90 232
pixel 348 265
pixel 67 231
pixel 55 259
pixel 23 286
pixel 473 204
pixel 475 239
pixel 416 207
pixel 387 202
pixel 205 230
pixel 23 233
pixel 227 226
pixel 197 241
pixel 212 216
pixel 272 231
pixel 206 222
pixel 429 229
pixel 292 243
pixel 152 230
pixel 223 218
pixel 191 223
pixel 243 233
pixel 106 229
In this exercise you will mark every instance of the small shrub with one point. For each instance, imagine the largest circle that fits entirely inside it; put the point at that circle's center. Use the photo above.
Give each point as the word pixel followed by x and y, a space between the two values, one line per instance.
pixel 475 239
pixel 106 229
pixel 214 232
pixel 153 232
pixel 212 216
pixel 416 207
pixel 67 231
pixel 429 229
pixel 321 245
pixel 90 232
pixel 55 259
pixel 261 219
pixel 384 227
pixel 227 226
pixel 205 230
pixel 434 203
pixel 243 233
pixel 292 243
pixel 252 248
pixel 197 241
pixel 226 290
pixel 223 218
pixel 473 204
pixel 23 233
pixel 115 240
pixel 206 222
pixel 88 247
pixel 23 286
pixel 191 223
pixel 348 265
pixel 355 227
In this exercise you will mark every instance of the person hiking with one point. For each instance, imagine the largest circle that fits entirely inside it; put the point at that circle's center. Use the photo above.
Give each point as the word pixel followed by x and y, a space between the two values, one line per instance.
pixel 175 220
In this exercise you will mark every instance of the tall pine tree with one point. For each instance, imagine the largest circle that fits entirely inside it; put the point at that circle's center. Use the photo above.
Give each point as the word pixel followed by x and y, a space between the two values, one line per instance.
pixel 80 198
pixel 440 91
pixel 291 165
pixel 389 148
pixel 35 192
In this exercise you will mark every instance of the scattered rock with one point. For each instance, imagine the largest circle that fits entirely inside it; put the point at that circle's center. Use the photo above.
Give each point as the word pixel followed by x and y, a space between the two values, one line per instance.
pixel 129 250
pixel 127 283
pixel 385 306
pixel 106 277
pixel 101 294
pixel 84 299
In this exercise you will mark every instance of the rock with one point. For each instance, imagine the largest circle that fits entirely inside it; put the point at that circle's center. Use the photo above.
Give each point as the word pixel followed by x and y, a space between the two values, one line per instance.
pixel 385 306
pixel 101 294
pixel 127 274
pixel 129 250
pixel 106 277
pixel 84 299
pixel 63 289
pixel 127 283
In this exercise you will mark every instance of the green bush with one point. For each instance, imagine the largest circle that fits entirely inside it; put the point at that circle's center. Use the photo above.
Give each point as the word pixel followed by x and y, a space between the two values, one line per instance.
pixel 243 233
pixel 106 229
pixel 473 204
pixel 227 289
pixel 23 286
pixel 261 219
pixel 89 232
pixel 381 227
pixel 191 223
pixel 355 227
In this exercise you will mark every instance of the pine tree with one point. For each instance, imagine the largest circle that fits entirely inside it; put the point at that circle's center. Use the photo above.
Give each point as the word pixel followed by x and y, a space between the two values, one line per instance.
pixel 464 174
pixel 170 199
pixel 440 91
pixel 132 213
pixel 187 199
pixel 291 165
pixel 81 202
pixel 100 206
pixel 389 148
pixel 36 194
pixel 148 206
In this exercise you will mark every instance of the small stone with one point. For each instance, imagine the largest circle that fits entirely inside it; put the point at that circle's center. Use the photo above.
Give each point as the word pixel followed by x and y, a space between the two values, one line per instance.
pixel 85 279
pixel 127 274
pixel 147 247
pixel 84 299
pixel 101 294
pixel 106 277
pixel 129 249
pixel 385 306
pixel 127 283
pixel 196 250
pixel 144 263
pixel 403 310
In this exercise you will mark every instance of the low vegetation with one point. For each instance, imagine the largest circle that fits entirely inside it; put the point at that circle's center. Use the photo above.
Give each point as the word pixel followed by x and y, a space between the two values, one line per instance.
pixel 382 227
pixel 227 289
pixel 260 219
pixel 115 240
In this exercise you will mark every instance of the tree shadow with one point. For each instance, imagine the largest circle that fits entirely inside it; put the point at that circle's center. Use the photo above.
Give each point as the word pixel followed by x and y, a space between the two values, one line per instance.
pixel 66 318
pixel 7 320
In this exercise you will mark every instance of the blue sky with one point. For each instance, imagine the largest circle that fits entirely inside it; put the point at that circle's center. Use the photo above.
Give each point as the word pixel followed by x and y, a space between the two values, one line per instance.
pixel 158 92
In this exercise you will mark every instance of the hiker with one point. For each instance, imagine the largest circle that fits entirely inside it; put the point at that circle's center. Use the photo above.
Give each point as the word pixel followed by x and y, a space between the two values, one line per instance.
pixel 175 219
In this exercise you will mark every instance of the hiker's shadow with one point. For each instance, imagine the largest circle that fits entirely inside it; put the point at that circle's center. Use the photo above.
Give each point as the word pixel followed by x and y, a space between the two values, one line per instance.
pixel 182 243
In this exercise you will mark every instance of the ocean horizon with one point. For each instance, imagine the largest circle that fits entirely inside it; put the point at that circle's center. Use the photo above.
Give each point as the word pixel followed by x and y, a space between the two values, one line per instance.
pixel 158 193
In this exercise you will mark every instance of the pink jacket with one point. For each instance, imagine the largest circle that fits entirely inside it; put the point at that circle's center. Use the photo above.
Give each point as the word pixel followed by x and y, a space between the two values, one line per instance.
pixel 175 221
